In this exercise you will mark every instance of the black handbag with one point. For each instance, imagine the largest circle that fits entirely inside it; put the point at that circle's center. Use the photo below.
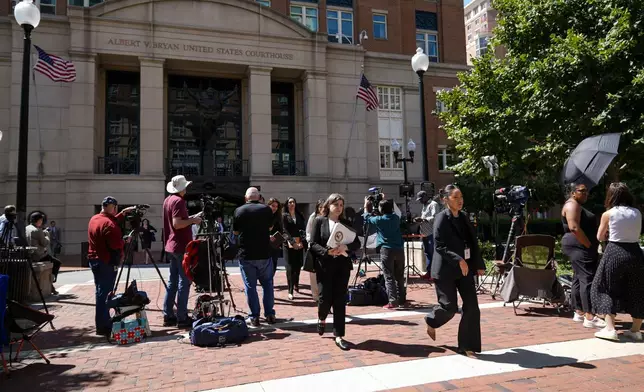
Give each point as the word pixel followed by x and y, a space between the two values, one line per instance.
pixel 309 261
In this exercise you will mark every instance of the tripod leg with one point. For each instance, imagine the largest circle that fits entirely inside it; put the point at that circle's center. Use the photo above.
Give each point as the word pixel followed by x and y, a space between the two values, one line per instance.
pixel 156 267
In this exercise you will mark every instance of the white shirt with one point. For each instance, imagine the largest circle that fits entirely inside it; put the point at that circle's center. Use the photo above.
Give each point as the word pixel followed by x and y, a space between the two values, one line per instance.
pixel 624 224
pixel 309 227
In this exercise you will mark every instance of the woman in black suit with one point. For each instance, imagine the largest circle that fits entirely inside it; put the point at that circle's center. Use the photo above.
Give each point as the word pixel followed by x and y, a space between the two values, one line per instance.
pixel 332 268
pixel 276 207
pixel 294 225
pixel 456 260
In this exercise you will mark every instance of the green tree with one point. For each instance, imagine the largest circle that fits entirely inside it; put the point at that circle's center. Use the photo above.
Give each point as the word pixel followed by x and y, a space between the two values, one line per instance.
pixel 573 69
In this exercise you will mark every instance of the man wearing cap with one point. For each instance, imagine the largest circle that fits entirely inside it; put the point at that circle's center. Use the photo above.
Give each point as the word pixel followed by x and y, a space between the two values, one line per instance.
pixel 430 209
pixel 178 226
pixel 105 253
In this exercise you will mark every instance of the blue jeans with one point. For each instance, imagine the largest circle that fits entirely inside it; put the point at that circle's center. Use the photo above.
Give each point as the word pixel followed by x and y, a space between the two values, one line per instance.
pixel 428 245
pixel 251 271
pixel 104 279
pixel 178 279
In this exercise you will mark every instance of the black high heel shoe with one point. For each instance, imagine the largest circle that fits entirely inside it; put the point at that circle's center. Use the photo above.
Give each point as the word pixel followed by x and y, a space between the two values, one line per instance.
pixel 321 327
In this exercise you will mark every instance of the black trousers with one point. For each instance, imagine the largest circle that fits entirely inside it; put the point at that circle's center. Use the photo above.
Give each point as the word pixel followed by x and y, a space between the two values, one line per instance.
pixel 333 284
pixel 294 261
pixel 584 265
pixel 393 261
pixel 57 263
pixel 469 329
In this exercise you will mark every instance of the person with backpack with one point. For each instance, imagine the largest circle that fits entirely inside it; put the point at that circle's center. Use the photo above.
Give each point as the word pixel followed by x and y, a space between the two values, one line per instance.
pixel 390 241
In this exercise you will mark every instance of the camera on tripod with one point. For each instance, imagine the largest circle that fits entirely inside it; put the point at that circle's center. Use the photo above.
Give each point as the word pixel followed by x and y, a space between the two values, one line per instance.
pixel 134 217
pixel 374 198
pixel 512 199
pixel 211 207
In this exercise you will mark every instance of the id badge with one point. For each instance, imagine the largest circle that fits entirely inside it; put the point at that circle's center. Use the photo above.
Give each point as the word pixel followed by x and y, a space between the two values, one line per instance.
pixel 467 253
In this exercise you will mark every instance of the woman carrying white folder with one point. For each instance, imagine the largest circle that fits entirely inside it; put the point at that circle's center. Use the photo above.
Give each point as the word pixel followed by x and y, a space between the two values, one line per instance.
pixel 333 265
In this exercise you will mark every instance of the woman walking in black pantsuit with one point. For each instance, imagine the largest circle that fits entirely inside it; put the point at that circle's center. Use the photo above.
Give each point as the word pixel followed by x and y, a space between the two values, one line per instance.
pixel 276 207
pixel 294 225
pixel 332 268
pixel 456 259
pixel 580 245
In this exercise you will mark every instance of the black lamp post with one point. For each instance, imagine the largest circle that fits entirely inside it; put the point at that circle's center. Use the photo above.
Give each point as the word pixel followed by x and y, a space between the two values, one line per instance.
pixel 406 188
pixel 28 16
pixel 420 64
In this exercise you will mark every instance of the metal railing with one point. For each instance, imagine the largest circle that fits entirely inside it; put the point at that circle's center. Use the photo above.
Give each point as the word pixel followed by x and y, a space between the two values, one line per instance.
pixel 14 262
pixel 220 168
pixel 117 165
pixel 289 168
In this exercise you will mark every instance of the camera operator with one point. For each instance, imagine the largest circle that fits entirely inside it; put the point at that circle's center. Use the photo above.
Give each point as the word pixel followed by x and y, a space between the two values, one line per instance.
pixel 390 241
pixel 253 222
pixel 105 252
pixel 431 207
pixel 7 228
pixel 177 224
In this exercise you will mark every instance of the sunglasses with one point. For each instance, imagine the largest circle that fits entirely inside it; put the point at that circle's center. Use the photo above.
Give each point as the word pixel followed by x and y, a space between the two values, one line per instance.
pixel 581 190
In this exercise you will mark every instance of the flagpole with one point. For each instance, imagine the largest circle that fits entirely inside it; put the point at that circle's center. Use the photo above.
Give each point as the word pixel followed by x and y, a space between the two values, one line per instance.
pixel 41 167
pixel 353 123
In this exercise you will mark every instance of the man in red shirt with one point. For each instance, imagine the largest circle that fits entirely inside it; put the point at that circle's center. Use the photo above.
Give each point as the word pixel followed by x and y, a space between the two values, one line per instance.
pixel 104 255
pixel 178 226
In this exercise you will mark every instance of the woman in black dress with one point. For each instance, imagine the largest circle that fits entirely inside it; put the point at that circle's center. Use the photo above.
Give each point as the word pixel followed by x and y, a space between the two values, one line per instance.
pixel 455 261
pixel 580 245
pixel 147 237
pixel 332 268
pixel 294 225
pixel 619 282
pixel 276 207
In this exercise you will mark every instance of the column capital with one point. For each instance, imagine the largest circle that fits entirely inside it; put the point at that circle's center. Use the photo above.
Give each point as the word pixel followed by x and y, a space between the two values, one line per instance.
pixel 313 75
pixel 76 55
pixel 257 70
pixel 151 62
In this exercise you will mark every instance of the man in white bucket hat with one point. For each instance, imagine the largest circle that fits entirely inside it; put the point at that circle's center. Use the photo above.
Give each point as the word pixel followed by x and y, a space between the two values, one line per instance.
pixel 177 226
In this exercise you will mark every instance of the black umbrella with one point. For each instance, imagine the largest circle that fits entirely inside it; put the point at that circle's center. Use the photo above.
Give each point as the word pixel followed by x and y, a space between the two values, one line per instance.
pixel 588 163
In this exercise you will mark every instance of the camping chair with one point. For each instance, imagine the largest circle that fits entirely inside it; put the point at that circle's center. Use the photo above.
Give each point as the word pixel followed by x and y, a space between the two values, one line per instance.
pixel 23 324
pixel 4 335
pixel 534 272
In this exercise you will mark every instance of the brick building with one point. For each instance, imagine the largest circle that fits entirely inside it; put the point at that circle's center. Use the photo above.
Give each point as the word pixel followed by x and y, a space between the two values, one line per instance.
pixel 227 92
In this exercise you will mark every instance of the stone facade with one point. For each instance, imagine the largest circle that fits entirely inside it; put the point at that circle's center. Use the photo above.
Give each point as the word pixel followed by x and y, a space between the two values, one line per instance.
pixel 233 39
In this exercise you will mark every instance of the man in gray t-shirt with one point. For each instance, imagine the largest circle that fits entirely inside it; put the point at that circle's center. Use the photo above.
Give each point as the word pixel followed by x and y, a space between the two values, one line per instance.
pixel 431 207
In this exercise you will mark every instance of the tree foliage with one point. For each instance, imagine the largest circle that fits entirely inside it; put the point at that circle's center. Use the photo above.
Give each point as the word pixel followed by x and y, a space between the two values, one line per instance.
pixel 573 69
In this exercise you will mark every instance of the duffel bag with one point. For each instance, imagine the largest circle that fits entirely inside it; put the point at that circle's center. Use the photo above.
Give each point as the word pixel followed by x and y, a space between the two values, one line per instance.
pixel 359 296
pixel 218 333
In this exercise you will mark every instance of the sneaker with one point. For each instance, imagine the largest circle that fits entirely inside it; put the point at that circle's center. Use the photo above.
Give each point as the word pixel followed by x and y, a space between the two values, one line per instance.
pixel 636 336
pixel 169 321
pixel 607 335
pixel 389 306
pixel 290 297
pixel 578 318
pixel 253 322
pixel 271 319
pixel 596 322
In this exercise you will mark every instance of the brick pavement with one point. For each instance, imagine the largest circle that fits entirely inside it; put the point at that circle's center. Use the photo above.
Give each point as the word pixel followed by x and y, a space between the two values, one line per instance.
pixel 164 364
pixel 617 374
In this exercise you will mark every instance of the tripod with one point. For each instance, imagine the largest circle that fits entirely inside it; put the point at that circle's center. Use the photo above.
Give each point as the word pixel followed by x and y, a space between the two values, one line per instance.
pixel 516 227
pixel 6 240
pixel 214 239
pixel 365 259
pixel 134 236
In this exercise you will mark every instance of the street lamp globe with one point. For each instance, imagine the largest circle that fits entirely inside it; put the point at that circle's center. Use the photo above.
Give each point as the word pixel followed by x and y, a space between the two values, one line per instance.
pixel 395 146
pixel 27 14
pixel 411 146
pixel 420 61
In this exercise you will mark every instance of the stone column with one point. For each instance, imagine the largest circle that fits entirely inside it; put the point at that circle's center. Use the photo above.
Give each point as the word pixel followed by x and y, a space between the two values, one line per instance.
pixel 259 120
pixel 151 159
pixel 316 133
pixel 82 116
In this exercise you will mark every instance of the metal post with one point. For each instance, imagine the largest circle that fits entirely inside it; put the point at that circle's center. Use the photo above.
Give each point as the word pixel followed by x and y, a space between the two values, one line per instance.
pixel 23 141
pixel 423 126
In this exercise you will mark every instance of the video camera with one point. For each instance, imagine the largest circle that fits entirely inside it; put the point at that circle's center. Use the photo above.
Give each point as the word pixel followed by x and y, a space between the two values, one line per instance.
pixel 511 199
pixel 134 217
pixel 374 198
pixel 211 207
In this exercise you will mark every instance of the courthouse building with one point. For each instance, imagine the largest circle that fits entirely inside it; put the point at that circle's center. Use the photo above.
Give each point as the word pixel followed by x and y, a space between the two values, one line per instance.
pixel 230 93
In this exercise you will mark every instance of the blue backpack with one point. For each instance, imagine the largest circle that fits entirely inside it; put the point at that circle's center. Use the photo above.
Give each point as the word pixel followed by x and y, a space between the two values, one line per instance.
pixel 218 333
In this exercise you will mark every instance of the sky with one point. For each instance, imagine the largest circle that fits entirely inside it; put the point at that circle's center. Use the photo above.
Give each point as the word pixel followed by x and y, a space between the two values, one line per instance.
pixel 466 2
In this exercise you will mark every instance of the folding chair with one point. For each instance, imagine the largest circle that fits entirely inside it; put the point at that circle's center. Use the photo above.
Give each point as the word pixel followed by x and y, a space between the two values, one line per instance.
pixel 23 324
pixel 4 335
pixel 534 272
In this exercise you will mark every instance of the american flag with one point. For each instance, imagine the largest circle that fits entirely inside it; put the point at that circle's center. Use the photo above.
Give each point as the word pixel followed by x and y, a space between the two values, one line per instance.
pixel 54 67
pixel 367 94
